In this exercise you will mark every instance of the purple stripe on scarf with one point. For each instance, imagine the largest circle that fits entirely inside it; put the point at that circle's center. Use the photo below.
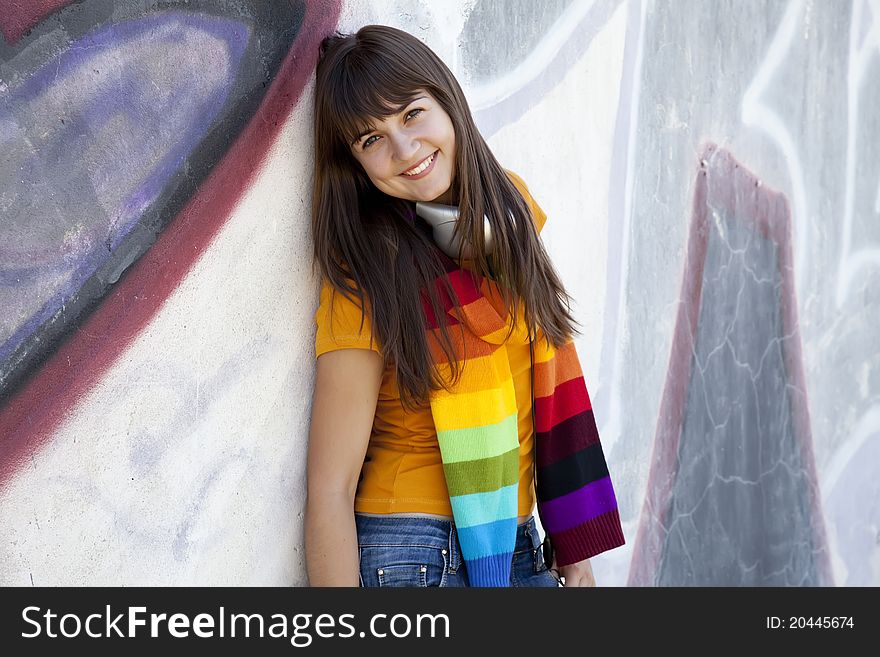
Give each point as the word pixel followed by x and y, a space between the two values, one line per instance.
pixel 577 507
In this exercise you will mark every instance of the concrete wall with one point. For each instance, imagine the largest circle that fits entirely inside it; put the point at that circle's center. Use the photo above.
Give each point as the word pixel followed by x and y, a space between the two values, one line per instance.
pixel 711 177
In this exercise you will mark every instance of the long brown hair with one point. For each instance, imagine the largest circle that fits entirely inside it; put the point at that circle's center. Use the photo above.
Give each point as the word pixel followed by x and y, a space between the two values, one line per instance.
pixel 367 244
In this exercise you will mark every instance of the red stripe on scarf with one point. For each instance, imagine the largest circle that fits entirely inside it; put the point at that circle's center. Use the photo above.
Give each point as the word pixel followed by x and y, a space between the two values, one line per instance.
pixel 568 399
pixel 464 283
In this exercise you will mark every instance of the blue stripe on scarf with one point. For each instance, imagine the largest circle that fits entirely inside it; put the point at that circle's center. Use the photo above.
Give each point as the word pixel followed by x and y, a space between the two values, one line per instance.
pixel 483 508
pixel 488 539
pixel 490 571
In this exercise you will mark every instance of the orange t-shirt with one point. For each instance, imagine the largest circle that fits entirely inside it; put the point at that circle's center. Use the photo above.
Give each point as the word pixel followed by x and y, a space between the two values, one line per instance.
pixel 403 470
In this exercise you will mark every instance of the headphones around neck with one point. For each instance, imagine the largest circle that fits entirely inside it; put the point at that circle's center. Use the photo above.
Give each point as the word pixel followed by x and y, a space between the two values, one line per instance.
pixel 442 219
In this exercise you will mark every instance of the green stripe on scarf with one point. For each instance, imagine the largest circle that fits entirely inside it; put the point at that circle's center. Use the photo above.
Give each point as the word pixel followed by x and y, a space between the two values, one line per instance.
pixel 476 443
pixel 483 476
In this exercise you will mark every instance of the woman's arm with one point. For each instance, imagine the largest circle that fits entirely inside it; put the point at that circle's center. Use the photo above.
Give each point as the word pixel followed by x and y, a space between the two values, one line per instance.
pixel 346 390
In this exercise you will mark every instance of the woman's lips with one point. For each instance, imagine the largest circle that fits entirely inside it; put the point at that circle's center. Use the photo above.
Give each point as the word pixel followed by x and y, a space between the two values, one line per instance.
pixel 428 170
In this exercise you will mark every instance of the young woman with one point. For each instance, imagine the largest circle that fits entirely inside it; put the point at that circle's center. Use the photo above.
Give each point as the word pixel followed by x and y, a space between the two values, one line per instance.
pixel 446 376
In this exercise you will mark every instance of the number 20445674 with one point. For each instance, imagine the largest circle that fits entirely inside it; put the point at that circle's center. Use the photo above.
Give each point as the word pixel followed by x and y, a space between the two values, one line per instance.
pixel 809 622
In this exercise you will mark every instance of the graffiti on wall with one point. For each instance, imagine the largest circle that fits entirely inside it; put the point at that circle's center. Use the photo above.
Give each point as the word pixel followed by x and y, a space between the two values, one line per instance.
pixel 119 169
pixel 733 493
pixel 857 257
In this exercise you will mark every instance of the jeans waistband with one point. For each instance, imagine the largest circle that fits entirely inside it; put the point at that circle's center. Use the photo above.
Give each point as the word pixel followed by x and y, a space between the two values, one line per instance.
pixel 427 532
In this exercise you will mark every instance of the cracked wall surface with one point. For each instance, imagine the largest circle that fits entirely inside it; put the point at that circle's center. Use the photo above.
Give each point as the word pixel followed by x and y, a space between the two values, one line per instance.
pixel 743 508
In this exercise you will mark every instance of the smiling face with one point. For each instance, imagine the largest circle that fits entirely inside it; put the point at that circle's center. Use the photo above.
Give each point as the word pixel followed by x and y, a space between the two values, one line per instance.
pixel 411 153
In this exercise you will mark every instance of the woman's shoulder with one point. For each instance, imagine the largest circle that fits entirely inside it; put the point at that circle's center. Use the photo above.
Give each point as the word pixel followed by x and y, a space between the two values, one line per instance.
pixel 331 294
pixel 538 214
pixel 342 320
pixel 517 180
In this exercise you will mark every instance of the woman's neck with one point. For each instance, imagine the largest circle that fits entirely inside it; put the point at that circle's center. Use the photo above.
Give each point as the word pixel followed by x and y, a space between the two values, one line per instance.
pixel 446 198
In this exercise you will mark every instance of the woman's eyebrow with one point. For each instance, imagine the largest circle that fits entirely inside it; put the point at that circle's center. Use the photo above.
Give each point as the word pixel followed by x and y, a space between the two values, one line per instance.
pixel 362 135
pixel 410 102
pixel 398 110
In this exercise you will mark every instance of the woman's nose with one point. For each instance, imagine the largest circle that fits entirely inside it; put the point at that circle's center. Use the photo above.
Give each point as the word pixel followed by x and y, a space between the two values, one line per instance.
pixel 405 146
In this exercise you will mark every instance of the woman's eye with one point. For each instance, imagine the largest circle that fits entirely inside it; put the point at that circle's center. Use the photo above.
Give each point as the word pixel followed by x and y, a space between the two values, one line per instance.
pixel 369 141
pixel 413 113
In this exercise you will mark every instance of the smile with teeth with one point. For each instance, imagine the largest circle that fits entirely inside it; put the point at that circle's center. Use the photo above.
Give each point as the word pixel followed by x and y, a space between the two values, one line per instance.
pixel 421 167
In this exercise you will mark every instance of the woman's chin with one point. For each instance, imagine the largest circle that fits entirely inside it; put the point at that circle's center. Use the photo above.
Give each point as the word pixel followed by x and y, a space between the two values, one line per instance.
pixel 433 194
pixel 433 197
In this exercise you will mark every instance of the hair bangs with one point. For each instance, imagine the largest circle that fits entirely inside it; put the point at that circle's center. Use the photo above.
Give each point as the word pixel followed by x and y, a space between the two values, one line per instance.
pixel 370 88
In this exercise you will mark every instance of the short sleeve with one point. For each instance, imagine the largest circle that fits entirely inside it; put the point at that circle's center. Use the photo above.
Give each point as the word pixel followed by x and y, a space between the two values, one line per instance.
pixel 538 215
pixel 339 326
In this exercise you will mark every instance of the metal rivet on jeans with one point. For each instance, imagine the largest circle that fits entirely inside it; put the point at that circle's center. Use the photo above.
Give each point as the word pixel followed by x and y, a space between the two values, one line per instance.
pixel 381 572
pixel 443 551
pixel 423 569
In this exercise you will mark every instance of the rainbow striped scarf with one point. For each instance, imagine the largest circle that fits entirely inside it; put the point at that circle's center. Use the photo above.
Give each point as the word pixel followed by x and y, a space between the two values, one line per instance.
pixel 476 424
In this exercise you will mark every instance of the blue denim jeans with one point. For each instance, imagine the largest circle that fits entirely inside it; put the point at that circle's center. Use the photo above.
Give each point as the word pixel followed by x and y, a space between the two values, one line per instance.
pixel 396 551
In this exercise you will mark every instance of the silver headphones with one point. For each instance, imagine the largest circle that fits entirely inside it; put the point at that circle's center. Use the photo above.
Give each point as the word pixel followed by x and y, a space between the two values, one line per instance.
pixel 442 219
